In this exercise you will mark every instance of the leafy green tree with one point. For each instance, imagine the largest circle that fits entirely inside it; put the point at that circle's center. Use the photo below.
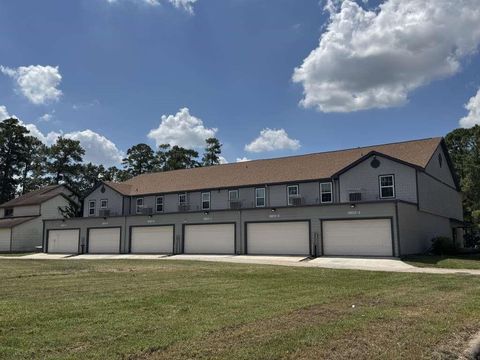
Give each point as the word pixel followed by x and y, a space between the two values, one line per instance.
pixel 180 158
pixel 34 169
pixel 115 174
pixel 13 153
pixel 65 162
pixel 140 159
pixel 212 152
pixel 464 150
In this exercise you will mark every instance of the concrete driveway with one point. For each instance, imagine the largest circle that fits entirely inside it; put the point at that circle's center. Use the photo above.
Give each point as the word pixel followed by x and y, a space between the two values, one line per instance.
pixel 347 263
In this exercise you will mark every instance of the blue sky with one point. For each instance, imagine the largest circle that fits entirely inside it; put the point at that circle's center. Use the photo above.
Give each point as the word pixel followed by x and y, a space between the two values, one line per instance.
pixel 124 64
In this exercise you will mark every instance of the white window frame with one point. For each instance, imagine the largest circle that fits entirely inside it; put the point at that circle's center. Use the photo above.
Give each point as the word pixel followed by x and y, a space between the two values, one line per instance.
pixel 260 197
pixel 106 204
pixel 207 194
pixel 180 196
pixel 139 208
pixel 326 192
pixel 90 207
pixel 290 196
pixel 157 204
pixel 233 192
pixel 386 186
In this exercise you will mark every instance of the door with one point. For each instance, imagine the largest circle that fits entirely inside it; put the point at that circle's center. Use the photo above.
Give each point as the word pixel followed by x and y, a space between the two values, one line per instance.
pixel 104 241
pixel 372 237
pixel 5 235
pixel 152 239
pixel 279 238
pixel 63 241
pixel 209 239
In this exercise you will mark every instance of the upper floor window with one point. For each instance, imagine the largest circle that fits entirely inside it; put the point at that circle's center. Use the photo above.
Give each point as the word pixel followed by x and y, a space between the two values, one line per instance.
pixel 8 212
pixel 233 195
pixel 260 197
pixel 205 201
pixel 292 192
pixel 103 203
pixel 326 193
pixel 159 204
pixel 387 186
pixel 182 199
pixel 139 205
pixel 91 208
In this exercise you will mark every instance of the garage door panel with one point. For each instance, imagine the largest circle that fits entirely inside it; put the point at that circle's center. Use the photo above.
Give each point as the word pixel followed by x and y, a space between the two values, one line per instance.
pixel 369 237
pixel 104 241
pixel 5 239
pixel 279 238
pixel 152 239
pixel 209 239
pixel 63 241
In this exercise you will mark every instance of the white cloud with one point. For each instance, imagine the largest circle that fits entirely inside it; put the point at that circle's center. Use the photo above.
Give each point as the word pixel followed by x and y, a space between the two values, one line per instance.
pixel 473 116
pixel 272 139
pixel 47 139
pixel 98 149
pixel 186 5
pixel 39 84
pixel 47 116
pixel 375 58
pixel 223 160
pixel 181 129
pixel 4 113
pixel 242 159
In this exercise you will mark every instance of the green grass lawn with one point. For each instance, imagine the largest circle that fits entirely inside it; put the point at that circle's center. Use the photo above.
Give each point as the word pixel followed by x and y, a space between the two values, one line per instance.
pixel 126 309
pixel 467 261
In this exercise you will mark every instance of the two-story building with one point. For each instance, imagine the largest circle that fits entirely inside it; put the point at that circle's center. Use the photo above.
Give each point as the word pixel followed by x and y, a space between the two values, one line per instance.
pixel 384 200
pixel 21 219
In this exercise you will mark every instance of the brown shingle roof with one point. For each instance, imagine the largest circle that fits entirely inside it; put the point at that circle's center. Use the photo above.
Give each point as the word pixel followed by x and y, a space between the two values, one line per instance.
pixel 35 197
pixel 12 222
pixel 287 169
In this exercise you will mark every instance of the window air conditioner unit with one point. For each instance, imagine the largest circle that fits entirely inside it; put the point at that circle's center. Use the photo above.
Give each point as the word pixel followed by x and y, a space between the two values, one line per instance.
pixel 104 212
pixel 235 204
pixel 355 196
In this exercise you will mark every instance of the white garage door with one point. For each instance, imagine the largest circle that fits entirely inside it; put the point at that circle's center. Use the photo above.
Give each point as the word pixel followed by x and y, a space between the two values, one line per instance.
pixel 63 241
pixel 104 241
pixel 5 239
pixel 152 239
pixel 281 238
pixel 357 237
pixel 210 239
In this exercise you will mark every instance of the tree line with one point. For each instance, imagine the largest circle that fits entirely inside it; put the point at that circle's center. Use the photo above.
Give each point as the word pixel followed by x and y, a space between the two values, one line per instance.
pixel 26 164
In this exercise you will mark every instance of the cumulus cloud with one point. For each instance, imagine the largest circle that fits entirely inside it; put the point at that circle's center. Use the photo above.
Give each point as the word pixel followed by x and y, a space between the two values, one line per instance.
pixel 242 159
pixel 47 116
pixel 473 116
pixel 186 5
pixel 39 84
pixel 374 58
pixel 272 139
pixel 182 129
pixel 98 149
pixel 223 160
pixel 4 113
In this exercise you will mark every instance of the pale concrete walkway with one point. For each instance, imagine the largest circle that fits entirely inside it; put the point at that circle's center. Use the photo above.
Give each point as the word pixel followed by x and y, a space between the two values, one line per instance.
pixel 346 263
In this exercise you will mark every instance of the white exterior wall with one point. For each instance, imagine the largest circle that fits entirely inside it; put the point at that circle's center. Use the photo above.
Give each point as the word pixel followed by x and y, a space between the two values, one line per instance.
pixel 364 178
pixel 438 198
